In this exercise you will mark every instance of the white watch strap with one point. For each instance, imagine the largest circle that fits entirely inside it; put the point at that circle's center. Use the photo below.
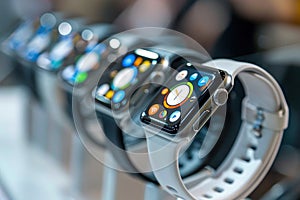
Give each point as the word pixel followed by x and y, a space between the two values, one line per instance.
pixel 252 153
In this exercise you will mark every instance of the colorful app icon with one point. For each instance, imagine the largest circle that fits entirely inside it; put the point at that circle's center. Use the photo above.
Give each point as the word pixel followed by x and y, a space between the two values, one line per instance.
pixel 128 60
pixel 163 114
pixel 124 78
pixel 68 73
pixel 194 76
pixel 113 74
pixel 138 61
pixel 153 109
pixel 203 81
pixel 165 91
pixel 109 94
pixel 175 116
pixel 178 95
pixel 102 90
pixel 181 75
pixel 144 66
pixel 119 96
pixel 81 77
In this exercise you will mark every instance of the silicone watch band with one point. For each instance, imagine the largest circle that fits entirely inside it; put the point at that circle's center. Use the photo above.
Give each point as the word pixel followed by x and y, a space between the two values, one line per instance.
pixel 265 116
pixel 117 146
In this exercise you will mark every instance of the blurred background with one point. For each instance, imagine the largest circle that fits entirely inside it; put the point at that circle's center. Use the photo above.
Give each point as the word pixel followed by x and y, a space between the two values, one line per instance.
pixel 34 166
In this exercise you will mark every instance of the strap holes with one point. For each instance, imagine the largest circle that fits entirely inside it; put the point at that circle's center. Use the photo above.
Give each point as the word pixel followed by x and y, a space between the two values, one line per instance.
pixel 253 147
pixel 238 170
pixel 228 180
pixel 181 165
pixel 246 159
pixel 190 156
pixel 207 196
pixel 171 189
pixel 218 189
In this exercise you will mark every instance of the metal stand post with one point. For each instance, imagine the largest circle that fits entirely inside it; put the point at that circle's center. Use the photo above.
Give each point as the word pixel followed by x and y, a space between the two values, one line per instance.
pixel 109 181
pixel 77 162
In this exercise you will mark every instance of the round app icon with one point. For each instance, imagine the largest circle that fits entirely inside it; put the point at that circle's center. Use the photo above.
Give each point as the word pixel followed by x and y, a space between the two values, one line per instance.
pixel 119 96
pixel 181 75
pixel 124 78
pixel 61 49
pixel 68 72
pixel 113 74
pixel 138 61
pixel 87 62
pixel 81 77
pixel 162 114
pixel 175 116
pixel 109 94
pixel 203 81
pixel 153 109
pixel 164 91
pixel 102 90
pixel 144 66
pixel 128 60
pixel 178 95
pixel 194 76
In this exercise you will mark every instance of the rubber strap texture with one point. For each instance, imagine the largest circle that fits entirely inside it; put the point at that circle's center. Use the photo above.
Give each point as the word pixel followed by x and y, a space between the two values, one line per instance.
pixel 252 153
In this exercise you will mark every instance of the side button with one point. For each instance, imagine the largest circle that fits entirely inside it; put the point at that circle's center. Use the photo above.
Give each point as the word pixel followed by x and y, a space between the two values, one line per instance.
pixel 199 122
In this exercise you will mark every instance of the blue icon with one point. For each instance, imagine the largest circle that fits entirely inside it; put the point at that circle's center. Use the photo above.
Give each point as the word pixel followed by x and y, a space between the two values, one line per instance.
pixel 193 77
pixel 119 96
pixel 203 81
pixel 175 116
pixel 128 60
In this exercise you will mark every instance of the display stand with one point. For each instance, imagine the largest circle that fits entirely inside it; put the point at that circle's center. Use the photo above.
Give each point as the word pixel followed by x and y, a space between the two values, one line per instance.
pixel 37 121
pixel 109 180
pixel 77 162
pixel 152 192
pixel 55 140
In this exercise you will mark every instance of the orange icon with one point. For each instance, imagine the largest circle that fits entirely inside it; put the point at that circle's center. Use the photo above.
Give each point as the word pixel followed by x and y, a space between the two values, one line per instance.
pixel 138 61
pixel 164 91
pixel 153 109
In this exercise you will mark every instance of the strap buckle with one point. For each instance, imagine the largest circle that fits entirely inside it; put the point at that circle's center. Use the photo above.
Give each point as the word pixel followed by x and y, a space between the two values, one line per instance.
pixel 261 118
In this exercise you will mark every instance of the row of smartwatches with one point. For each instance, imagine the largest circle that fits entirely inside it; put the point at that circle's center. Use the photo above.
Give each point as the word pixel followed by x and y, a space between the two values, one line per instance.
pixel 55 44
pixel 124 72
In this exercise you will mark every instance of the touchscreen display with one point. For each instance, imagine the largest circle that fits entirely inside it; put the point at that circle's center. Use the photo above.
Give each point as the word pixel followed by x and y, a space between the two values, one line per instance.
pixel 181 97
pixel 114 87
pixel 78 73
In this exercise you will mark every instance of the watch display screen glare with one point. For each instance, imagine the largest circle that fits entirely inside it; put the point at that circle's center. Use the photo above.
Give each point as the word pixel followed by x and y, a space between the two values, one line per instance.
pixel 181 97
pixel 115 84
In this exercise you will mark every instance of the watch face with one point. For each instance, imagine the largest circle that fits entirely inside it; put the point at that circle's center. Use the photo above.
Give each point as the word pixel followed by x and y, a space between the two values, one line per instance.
pixel 38 44
pixel 183 94
pixel 115 85
pixel 21 35
pixel 79 72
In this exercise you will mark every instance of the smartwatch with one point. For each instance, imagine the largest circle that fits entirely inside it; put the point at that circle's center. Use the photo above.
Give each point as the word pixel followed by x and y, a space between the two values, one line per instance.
pixel 63 44
pixel 35 35
pixel 191 97
pixel 153 66
pixel 38 28
pixel 112 96
pixel 80 79
pixel 42 39
pixel 86 57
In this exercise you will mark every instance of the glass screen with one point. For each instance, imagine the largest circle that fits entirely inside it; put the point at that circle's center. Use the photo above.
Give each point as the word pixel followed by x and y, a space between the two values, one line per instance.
pixel 181 97
pixel 114 86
